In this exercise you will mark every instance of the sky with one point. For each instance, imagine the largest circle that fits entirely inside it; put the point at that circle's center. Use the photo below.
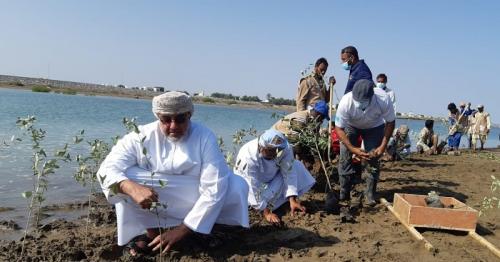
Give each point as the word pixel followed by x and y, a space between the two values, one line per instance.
pixel 433 52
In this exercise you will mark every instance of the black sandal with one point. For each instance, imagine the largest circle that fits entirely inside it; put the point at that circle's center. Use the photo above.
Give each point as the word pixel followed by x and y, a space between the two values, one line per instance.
pixel 139 248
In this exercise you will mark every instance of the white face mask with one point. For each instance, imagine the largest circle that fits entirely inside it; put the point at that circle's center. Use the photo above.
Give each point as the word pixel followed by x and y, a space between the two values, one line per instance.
pixel 381 85
pixel 361 104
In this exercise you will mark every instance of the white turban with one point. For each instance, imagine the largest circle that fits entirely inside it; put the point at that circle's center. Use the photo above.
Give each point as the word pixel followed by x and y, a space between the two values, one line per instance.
pixel 172 102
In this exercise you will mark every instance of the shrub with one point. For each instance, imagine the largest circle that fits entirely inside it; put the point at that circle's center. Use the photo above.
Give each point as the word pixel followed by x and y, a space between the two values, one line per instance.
pixel 208 100
pixel 69 92
pixel 43 89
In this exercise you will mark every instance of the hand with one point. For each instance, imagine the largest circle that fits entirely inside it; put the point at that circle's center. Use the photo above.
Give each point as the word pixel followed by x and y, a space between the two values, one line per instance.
pixel 379 151
pixel 142 195
pixel 360 153
pixel 332 81
pixel 271 217
pixel 169 238
pixel 296 206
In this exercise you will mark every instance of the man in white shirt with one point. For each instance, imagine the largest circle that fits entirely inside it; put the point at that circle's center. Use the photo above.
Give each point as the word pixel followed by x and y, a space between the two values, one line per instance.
pixel 273 175
pixel 382 84
pixel 171 173
pixel 367 112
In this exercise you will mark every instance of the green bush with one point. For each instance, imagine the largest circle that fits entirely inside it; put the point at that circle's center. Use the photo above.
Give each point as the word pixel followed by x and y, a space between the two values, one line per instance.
pixel 208 100
pixel 69 92
pixel 43 89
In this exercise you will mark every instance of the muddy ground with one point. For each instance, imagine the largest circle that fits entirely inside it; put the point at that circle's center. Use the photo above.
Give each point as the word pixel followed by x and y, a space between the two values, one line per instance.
pixel 316 236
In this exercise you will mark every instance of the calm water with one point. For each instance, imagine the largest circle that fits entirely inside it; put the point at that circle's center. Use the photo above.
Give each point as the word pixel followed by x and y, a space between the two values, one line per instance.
pixel 62 116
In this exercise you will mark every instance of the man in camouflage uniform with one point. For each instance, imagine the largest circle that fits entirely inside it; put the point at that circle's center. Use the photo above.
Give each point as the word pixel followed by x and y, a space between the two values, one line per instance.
pixel 293 124
pixel 312 88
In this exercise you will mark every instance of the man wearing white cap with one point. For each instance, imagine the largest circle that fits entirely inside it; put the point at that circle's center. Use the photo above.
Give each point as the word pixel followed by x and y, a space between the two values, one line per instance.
pixel 273 175
pixel 367 112
pixel 481 128
pixel 176 165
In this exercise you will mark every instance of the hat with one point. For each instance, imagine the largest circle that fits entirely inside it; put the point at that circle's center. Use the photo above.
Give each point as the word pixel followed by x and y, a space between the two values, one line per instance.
pixel 322 108
pixel 480 106
pixel 462 104
pixel 172 102
pixel 363 90
pixel 403 130
pixel 273 139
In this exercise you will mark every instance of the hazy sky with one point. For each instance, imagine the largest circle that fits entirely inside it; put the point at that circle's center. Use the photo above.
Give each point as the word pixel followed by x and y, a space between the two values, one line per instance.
pixel 433 52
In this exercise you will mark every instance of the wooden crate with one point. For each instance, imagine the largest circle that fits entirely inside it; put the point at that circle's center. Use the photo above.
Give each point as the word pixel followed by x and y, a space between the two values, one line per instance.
pixel 414 211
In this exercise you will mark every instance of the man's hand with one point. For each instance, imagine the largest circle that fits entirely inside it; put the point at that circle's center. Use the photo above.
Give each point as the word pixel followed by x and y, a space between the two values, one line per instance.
pixel 142 195
pixel 360 153
pixel 332 81
pixel 296 206
pixel 379 151
pixel 167 239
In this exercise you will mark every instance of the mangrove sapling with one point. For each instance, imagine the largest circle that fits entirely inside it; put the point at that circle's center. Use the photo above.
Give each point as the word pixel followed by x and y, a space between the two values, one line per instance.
pixel 492 201
pixel 42 166
pixel 131 126
pixel 87 169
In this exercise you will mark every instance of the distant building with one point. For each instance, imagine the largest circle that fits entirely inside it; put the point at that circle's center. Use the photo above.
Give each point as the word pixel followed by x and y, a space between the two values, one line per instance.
pixel 202 93
pixel 159 89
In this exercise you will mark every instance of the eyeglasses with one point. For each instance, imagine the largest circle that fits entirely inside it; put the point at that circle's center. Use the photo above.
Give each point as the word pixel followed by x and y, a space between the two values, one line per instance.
pixel 178 119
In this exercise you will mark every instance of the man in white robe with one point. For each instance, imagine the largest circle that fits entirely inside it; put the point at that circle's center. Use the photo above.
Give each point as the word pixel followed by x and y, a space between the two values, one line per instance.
pixel 273 175
pixel 176 165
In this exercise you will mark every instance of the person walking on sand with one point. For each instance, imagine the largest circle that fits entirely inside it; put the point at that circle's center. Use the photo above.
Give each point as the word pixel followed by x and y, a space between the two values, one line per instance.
pixel 382 84
pixel 365 112
pixel 481 128
pixel 178 162
pixel 357 68
pixel 273 175
pixel 312 88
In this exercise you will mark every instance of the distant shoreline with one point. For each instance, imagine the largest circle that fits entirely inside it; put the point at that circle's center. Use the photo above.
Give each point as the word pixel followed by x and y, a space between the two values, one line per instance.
pixel 148 95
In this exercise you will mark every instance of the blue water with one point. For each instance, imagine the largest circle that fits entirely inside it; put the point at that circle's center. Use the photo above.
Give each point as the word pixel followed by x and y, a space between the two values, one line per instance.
pixel 62 116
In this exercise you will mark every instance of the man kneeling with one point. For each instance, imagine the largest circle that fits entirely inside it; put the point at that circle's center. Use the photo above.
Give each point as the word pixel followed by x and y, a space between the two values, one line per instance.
pixel 171 173
pixel 273 175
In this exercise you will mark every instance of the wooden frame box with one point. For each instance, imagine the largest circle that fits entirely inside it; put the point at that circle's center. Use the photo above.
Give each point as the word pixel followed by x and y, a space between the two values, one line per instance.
pixel 413 211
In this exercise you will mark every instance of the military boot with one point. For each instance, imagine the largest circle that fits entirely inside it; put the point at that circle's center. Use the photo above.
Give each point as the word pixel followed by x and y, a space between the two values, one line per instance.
pixel 345 188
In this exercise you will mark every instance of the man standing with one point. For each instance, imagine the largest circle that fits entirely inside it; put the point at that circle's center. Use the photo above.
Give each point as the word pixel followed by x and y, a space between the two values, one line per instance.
pixel 365 112
pixel 382 84
pixel 482 126
pixel 176 162
pixel 467 113
pixel 312 88
pixel 273 175
pixel 357 68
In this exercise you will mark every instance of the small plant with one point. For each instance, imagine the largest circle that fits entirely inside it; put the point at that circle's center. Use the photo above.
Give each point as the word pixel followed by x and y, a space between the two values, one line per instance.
pixel 42 167
pixel 42 89
pixel 492 201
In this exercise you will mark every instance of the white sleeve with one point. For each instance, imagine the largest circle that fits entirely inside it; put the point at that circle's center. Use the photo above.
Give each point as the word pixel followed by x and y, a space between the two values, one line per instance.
pixel 123 155
pixel 388 114
pixel 214 180
pixel 286 170
pixel 341 117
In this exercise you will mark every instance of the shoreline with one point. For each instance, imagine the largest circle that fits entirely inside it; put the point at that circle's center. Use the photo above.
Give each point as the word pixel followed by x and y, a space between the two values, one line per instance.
pixel 317 235
pixel 148 95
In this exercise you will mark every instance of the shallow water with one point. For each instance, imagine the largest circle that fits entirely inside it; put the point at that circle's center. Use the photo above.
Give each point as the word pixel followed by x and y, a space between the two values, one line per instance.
pixel 63 116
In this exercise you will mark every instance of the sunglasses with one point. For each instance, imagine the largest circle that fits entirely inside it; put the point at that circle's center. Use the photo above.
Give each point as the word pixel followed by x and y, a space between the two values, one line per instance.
pixel 178 119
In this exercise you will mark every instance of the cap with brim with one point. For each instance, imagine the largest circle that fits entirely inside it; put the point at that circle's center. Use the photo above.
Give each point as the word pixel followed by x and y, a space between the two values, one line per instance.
pixel 480 106
pixel 363 90
pixel 171 103
pixel 404 129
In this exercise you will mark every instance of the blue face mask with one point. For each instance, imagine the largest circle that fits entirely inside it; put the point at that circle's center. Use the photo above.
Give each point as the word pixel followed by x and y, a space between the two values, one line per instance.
pixel 346 66
pixel 363 105
pixel 381 85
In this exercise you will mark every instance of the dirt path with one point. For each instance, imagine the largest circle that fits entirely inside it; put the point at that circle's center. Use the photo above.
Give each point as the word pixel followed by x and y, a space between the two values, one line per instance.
pixel 316 236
